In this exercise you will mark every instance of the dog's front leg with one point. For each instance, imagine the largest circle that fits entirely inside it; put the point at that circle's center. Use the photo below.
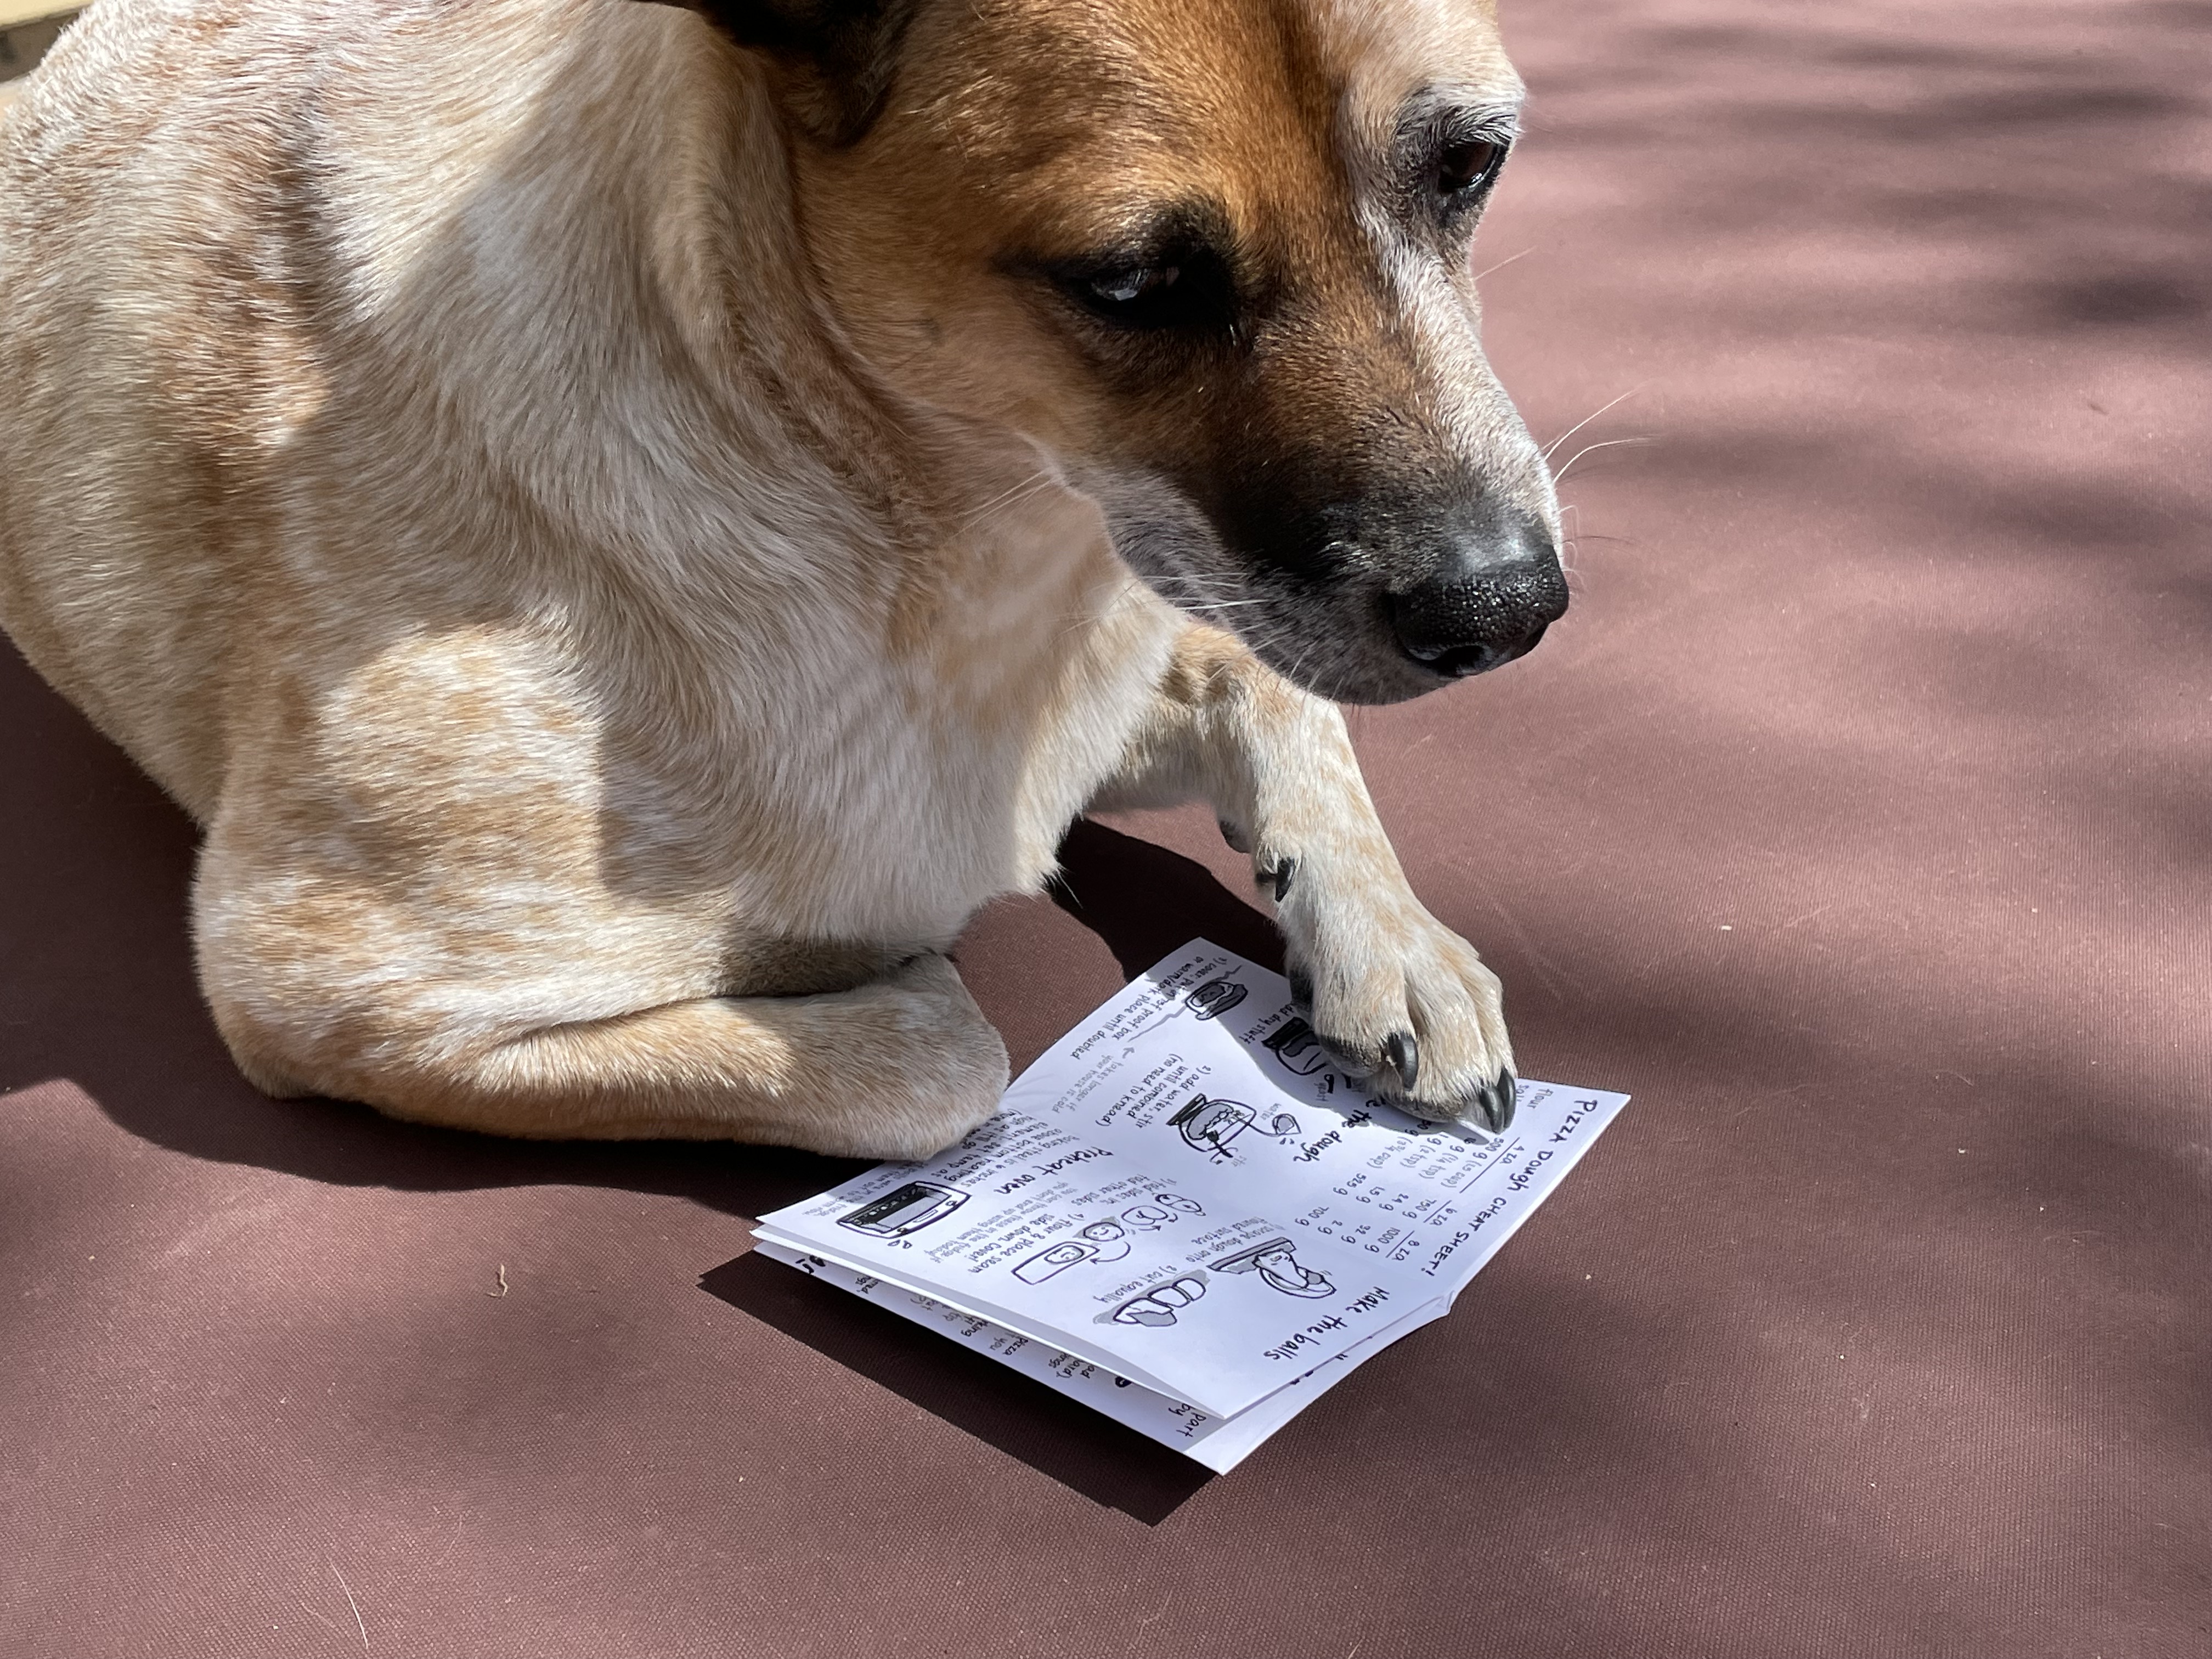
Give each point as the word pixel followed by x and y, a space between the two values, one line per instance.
pixel 1392 991
pixel 899 1067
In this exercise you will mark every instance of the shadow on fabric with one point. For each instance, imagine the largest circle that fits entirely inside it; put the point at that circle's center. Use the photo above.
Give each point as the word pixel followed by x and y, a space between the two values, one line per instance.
pixel 1143 901
pixel 1054 1435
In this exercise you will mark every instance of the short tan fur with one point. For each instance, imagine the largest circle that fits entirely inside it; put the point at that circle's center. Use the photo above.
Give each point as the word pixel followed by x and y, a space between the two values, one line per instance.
pixel 625 532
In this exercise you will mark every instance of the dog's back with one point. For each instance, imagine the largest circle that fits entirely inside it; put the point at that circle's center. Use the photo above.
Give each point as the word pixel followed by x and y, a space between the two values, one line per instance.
pixel 107 224
pixel 204 210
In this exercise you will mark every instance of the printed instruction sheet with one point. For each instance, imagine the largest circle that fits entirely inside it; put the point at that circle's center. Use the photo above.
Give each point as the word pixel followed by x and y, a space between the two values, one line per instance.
pixel 1185 1212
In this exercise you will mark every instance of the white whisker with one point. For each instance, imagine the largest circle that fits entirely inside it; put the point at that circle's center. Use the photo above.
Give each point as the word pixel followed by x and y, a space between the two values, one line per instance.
pixel 1507 260
pixel 1551 448
pixel 1591 449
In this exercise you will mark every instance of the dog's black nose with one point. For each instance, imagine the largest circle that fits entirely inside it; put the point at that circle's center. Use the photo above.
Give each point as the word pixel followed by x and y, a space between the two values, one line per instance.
pixel 1497 588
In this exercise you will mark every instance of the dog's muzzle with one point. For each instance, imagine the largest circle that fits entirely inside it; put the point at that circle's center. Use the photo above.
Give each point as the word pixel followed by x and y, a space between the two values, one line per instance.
pixel 1490 599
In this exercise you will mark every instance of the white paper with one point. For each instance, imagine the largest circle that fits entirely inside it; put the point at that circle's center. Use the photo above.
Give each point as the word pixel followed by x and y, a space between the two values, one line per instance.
pixel 1184 1193
pixel 1220 1443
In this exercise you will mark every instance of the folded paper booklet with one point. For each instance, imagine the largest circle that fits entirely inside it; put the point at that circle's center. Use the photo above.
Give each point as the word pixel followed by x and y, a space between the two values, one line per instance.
pixel 1187 1216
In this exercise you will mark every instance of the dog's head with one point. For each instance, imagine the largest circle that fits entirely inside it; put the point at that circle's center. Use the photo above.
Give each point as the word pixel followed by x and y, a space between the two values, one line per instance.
pixel 1210 258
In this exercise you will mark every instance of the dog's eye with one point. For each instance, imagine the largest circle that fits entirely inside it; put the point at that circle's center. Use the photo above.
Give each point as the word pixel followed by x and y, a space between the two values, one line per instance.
pixel 1466 165
pixel 1129 290
pixel 1181 288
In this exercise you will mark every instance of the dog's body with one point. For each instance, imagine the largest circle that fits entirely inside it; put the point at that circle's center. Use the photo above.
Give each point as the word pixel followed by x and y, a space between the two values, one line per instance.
pixel 613 622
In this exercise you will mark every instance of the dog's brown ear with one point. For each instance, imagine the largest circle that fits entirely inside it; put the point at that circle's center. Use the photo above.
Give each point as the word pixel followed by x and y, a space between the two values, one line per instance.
pixel 836 57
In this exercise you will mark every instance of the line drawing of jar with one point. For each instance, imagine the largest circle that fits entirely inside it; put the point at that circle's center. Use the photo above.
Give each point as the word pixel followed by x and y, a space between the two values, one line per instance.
pixel 1208 1126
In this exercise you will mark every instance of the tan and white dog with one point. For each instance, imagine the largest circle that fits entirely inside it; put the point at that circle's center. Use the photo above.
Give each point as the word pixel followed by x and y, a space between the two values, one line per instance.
pixel 627 525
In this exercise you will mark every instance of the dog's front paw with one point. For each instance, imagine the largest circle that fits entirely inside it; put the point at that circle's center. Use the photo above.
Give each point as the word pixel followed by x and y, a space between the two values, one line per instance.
pixel 1401 999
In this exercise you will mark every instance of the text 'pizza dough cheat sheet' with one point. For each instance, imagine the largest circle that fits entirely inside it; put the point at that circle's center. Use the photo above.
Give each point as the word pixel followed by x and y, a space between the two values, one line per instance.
pixel 1186 1215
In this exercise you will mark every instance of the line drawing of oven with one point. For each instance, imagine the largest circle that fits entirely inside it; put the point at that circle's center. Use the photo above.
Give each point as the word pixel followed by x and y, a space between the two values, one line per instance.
pixel 904 1210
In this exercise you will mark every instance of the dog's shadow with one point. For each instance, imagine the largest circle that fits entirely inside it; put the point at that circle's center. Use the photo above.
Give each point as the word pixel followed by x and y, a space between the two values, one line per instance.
pixel 96 987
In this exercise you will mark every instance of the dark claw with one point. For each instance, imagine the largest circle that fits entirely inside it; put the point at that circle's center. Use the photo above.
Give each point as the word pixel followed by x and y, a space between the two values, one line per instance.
pixel 1283 871
pixel 1493 1109
pixel 1403 1052
pixel 1506 1089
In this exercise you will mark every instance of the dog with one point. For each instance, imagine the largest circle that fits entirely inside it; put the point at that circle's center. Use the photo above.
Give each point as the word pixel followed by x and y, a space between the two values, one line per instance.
pixel 626 524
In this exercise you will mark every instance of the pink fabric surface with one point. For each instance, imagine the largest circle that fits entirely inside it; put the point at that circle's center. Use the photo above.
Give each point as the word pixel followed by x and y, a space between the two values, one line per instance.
pixel 1855 820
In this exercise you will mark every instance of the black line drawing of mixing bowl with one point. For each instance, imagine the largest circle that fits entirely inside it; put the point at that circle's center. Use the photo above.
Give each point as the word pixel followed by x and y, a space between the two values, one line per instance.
pixel 1215 998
